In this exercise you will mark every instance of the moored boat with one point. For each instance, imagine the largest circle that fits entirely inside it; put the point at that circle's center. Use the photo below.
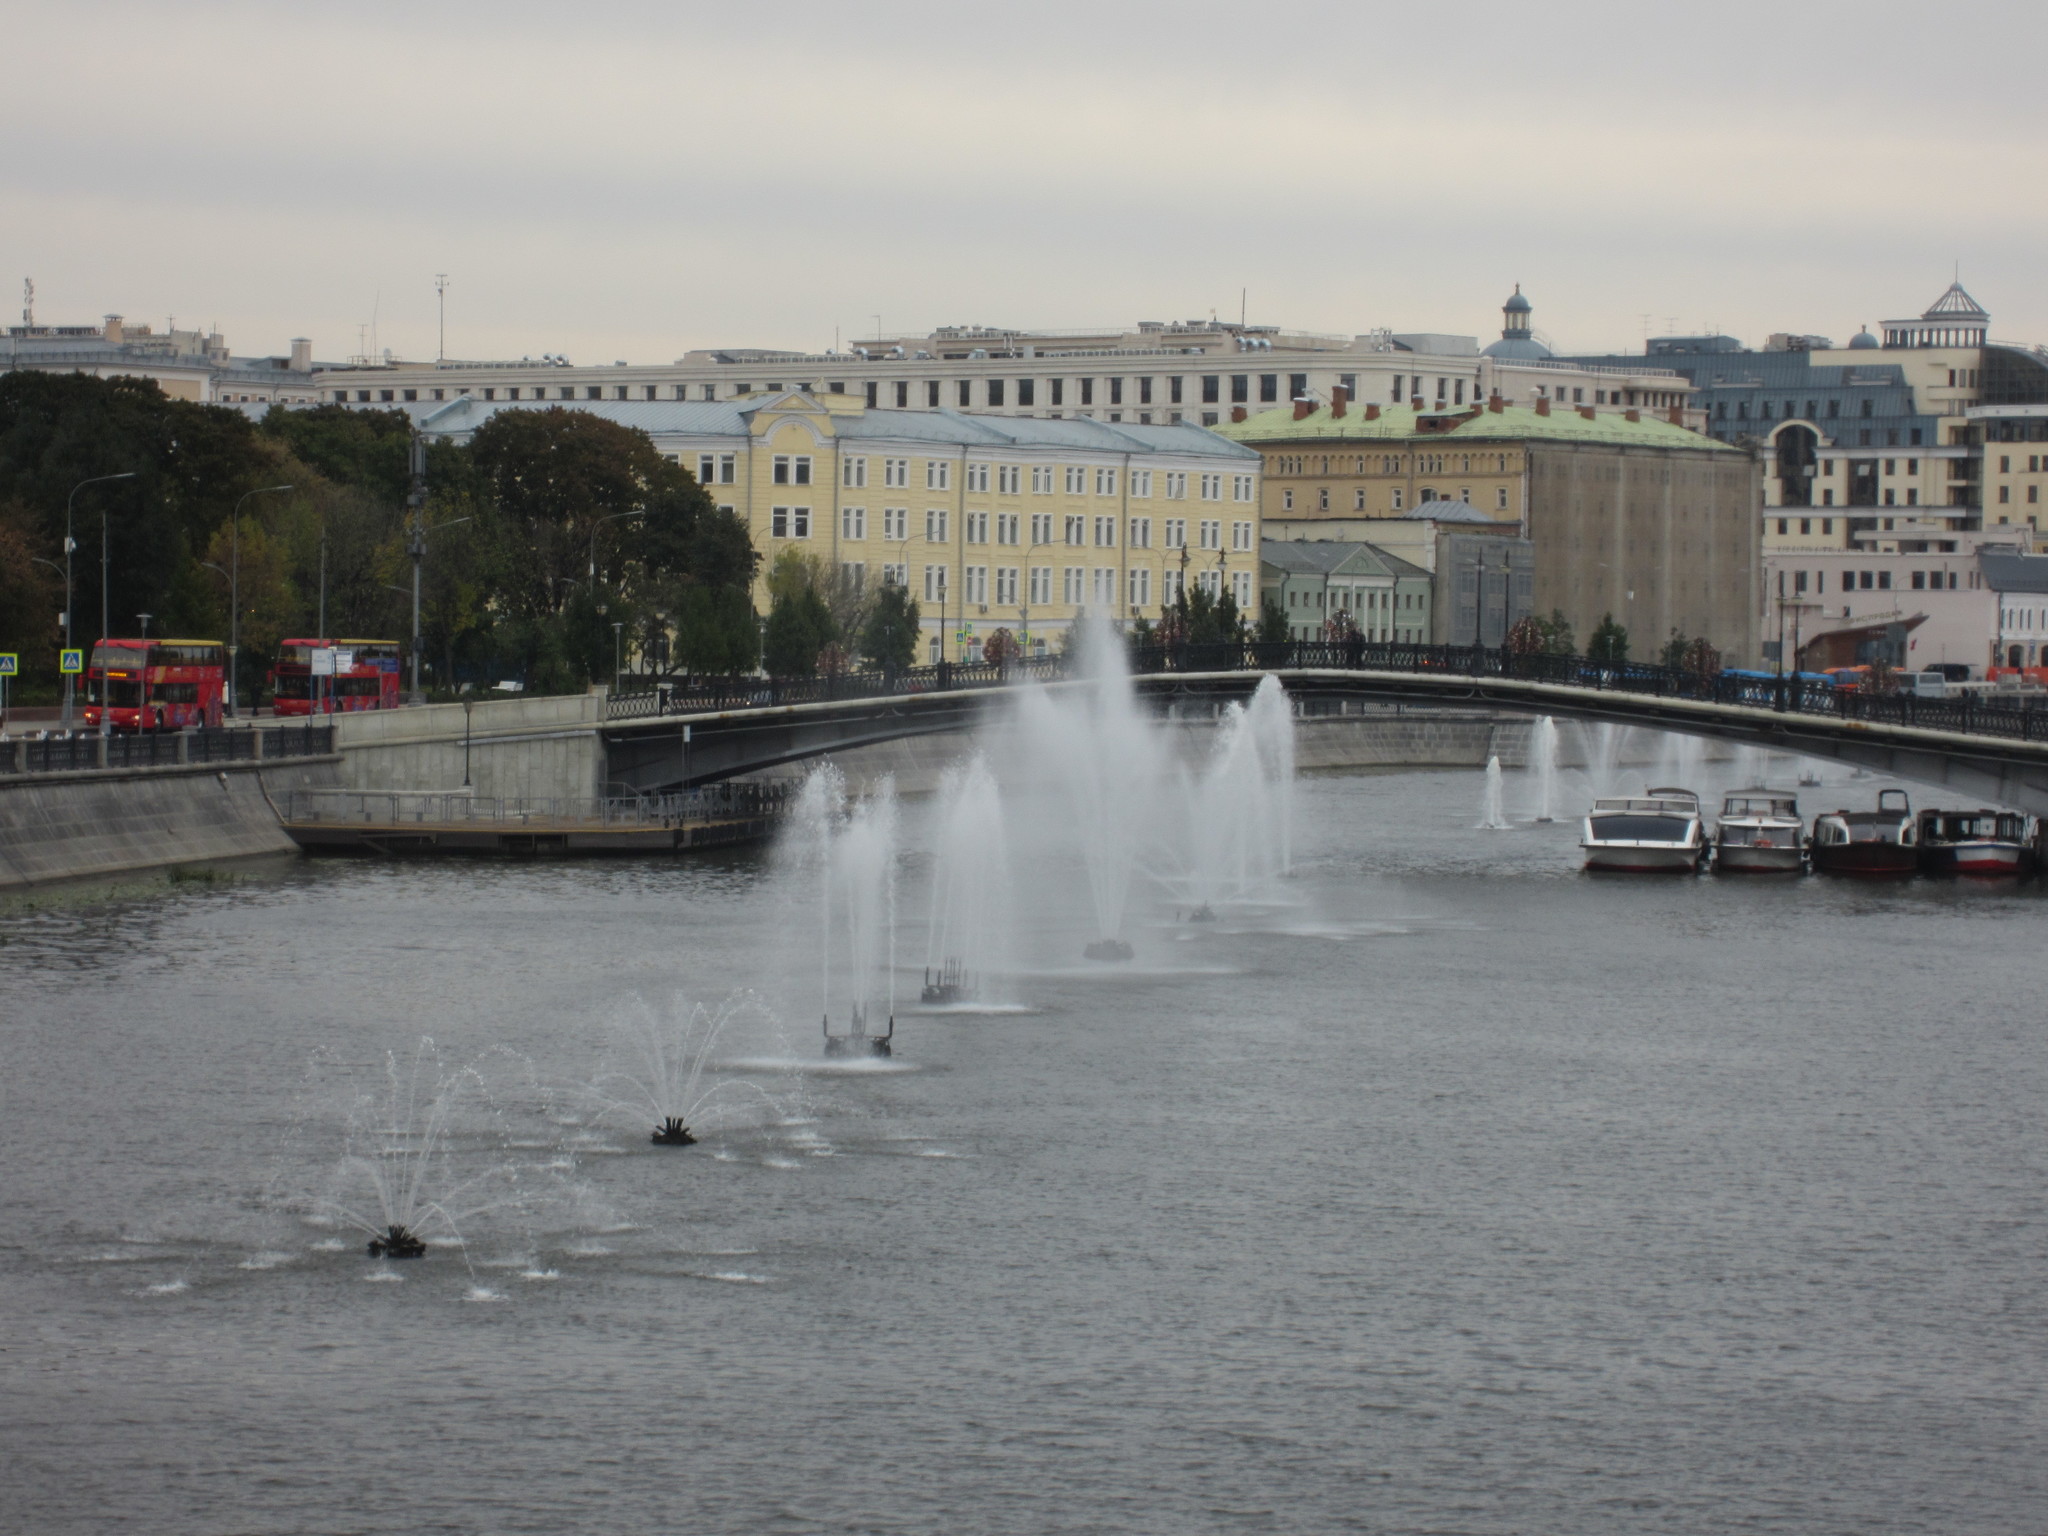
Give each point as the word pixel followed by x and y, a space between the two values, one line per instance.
pixel 1656 833
pixel 1880 845
pixel 1986 843
pixel 1760 832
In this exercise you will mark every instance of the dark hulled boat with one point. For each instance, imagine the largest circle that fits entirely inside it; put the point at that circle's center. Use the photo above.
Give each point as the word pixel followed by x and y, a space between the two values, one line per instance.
pixel 1877 845
pixel 1984 843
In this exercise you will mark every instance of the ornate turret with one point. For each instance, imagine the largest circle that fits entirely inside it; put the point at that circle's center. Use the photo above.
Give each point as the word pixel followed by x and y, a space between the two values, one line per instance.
pixel 1515 341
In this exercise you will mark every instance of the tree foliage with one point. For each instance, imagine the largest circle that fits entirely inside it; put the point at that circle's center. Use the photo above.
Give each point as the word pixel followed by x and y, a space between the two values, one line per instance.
pixel 1609 642
pixel 888 640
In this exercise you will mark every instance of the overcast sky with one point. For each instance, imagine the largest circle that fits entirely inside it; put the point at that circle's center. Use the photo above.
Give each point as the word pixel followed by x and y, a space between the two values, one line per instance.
pixel 629 181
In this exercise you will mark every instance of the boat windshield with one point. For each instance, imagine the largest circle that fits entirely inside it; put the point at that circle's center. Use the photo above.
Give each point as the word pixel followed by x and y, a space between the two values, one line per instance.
pixel 1738 835
pixel 1873 827
pixel 1620 827
pixel 1760 805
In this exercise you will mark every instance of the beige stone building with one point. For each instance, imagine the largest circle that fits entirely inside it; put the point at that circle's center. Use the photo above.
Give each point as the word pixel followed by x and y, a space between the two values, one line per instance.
pixel 1626 512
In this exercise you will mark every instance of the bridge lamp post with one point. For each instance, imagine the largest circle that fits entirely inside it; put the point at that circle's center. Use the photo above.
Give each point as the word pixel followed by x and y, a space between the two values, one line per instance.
pixel 944 588
pixel 234 593
pixel 1024 608
pixel 618 652
pixel 70 546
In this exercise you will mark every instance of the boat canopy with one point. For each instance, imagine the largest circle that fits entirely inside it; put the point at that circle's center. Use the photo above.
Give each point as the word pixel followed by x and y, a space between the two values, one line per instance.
pixel 1761 803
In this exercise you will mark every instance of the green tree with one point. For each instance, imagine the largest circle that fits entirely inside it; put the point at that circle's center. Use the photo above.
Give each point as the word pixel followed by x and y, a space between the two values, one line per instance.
pixel 30 598
pixel 1675 648
pixel 888 640
pixel 370 451
pixel 1609 643
pixel 799 619
pixel 1273 626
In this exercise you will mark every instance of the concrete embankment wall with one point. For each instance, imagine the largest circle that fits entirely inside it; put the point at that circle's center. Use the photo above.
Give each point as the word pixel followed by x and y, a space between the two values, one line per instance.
pixel 518 748
pixel 107 823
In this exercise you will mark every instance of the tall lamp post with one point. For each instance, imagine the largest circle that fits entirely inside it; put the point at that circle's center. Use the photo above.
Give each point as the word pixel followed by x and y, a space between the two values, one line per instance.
pixel 235 595
pixel 1024 608
pixel 610 517
pixel 419 553
pixel 70 545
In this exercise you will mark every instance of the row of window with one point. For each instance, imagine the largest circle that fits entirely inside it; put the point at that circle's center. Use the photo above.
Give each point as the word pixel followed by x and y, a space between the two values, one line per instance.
pixel 1073 530
pixel 1873 581
pixel 1078 586
pixel 1429 493
pixel 1384 464
pixel 795 469
pixel 1344 599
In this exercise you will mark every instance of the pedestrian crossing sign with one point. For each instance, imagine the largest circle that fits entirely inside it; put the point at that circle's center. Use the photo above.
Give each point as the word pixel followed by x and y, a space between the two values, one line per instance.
pixel 10 664
pixel 71 661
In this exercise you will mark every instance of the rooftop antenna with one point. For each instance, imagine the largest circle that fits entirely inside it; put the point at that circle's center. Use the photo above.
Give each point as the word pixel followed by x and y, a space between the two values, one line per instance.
pixel 28 302
pixel 1243 306
pixel 441 300
pixel 878 327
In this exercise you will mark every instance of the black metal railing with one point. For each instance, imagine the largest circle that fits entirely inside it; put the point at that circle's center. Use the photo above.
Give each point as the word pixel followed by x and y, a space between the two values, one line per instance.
pixel 1974 713
pixel 80 750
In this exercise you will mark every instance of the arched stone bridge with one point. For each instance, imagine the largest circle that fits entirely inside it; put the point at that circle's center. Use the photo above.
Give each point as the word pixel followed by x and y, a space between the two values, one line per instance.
pixel 645 751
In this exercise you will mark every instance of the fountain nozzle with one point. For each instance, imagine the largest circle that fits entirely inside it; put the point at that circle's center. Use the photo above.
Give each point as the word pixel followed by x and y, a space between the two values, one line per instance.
pixel 397 1243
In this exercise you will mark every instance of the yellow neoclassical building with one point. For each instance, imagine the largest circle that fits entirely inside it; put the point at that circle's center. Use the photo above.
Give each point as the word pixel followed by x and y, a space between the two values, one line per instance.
pixel 991 522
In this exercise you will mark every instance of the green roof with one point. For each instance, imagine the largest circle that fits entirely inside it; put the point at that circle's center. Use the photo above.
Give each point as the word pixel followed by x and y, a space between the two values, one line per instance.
pixel 1398 423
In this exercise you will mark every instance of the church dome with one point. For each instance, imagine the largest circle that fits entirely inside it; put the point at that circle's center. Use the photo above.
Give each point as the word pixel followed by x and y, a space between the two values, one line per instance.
pixel 1862 341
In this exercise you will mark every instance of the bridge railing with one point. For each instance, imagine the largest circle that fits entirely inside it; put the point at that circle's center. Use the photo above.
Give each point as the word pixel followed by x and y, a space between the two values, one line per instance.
pixel 693 696
pixel 2019 719
pixel 438 808
pixel 78 751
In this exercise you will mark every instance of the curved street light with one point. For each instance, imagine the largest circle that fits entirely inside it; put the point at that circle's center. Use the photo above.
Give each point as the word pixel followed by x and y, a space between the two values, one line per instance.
pixel 70 545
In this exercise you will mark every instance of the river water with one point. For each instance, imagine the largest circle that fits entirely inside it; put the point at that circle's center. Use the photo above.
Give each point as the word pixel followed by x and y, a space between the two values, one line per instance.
pixel 1462 1192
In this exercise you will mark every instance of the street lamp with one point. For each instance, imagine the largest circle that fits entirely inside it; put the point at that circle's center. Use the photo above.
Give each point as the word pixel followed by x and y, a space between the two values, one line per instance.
pixel 70 545
pixel 1024 608
pixel 611 517
pixel 618 652
pixel 235 594
pixel 145 618
pixel 419 554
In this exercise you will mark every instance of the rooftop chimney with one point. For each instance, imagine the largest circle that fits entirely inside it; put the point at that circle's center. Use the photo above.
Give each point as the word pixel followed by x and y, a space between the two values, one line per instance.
pixel 1372 410
pixel 1543 405
pixel 1304 408
pixel 1676 415
pixel 302 355
pixel 1416 402
pixel 1340 400
pixel 1587 412
pixel 114 329
pixel 1237 413
pixel 1495 404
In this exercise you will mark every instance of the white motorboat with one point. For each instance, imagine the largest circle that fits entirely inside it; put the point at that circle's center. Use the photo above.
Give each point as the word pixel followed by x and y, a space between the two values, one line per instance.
pixel 1760 832
pixel 1659 832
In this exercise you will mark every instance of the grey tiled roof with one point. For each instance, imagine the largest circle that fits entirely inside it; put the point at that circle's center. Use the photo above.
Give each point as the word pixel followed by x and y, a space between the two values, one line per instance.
pixel 2014 572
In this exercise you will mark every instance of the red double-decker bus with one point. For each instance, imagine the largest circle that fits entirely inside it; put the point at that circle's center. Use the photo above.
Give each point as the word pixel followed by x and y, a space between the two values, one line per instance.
pixel 155 685
pixel 366 677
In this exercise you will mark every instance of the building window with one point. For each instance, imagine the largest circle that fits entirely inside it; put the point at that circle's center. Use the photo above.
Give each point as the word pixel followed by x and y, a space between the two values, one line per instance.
pixel 1240 388
pixel 790 522
pixel 1105 533
pixel 872 388
pixel 853 523
pixel 935 584
pixel 1141 533
pixel 964 392
pixel 792 469
pixel 1059 391
pixel 1006 527
pixel 1323 498
pixel 1006 585
pixel 1269 388
pixel 936 525
pixel 977 478
pixel 1501 504
pixel 1077 480
pixel 853 473
pixel 1077 531
pixel 1241 488
pixel 1105 587
pixel 977 527
pixel 1141 484
pixel 1176 533
pixel 976 585
pixel 1041 528
pixel 1041 584
pixel 1173 391
pixel 1041 479
pixel 1105 482
pixel 1141 588
pixel 1287 501
pixel 1212 533
pixel 1073 587
pixel 896 523
pixel 1241 537
pixel 1176 485
pixel 1212 487
pixel 1211 385
pixel 1027 392
pixel 1116 391
pixel 995 394
pixel 938 475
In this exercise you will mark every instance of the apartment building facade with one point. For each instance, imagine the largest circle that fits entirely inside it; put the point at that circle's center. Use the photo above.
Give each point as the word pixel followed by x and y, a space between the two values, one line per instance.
pixel 990 522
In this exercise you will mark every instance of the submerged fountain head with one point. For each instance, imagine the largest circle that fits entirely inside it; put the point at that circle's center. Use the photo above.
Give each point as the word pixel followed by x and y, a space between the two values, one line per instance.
pixel 857 1041
pixel 1109 949
pixel 948 983
pixel 1203 914
pixel 397 1243
pixel 673 1133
